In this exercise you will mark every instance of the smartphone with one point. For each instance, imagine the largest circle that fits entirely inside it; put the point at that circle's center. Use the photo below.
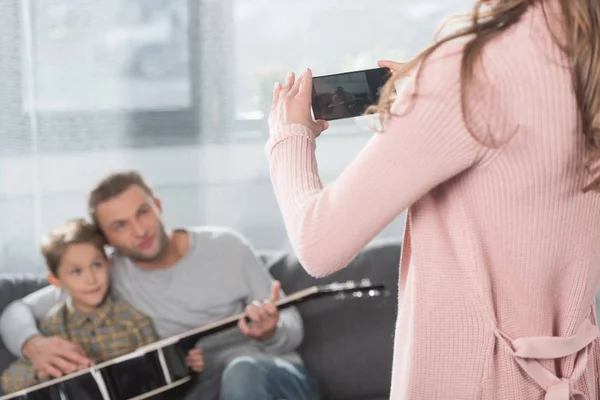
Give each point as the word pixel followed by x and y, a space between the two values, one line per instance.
pixel 347 95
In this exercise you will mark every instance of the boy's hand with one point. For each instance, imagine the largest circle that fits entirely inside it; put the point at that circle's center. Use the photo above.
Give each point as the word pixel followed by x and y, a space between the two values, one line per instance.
pixel 195 360
pixel 39 375
pixel 54 356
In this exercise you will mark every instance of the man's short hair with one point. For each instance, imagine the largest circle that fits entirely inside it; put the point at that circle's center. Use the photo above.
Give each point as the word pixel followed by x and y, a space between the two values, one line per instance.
pixel 73 231
pixel 112 186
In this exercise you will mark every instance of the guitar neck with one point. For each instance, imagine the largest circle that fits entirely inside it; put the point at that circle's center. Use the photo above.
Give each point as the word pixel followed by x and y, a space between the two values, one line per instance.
pixel 187 340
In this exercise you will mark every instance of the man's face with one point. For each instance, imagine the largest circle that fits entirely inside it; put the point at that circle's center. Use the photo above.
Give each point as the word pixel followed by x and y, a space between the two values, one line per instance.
pixel 132 224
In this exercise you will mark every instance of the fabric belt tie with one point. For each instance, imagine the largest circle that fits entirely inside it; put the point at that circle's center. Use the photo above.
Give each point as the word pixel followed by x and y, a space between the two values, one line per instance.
pixel 528 350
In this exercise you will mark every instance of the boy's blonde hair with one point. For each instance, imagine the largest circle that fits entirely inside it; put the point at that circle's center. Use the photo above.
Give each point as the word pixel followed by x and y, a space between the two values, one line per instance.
pixel 73 231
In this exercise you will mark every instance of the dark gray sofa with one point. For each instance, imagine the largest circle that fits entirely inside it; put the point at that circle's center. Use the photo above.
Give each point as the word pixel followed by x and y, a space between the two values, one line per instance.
pixel 348 343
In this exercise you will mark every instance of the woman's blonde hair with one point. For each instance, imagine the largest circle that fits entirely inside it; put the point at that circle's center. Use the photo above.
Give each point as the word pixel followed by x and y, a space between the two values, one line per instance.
pixel 488 19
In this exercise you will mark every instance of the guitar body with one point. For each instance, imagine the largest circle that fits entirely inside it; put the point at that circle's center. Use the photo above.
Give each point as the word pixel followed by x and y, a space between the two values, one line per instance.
pixel 144 376
pixel 149 375
pixel 152 371
pixel 82 387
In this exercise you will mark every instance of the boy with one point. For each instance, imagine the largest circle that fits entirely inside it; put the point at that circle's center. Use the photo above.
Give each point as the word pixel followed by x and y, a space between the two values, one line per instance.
pixel 103 327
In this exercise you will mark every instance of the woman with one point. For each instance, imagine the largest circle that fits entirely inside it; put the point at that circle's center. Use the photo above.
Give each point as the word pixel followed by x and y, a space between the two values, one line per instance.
pixel 492 147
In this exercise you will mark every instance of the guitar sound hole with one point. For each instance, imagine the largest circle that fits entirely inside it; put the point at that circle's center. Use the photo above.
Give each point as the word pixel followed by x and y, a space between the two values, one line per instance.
pixel 175 360
pixel 134 377
pixel 83 387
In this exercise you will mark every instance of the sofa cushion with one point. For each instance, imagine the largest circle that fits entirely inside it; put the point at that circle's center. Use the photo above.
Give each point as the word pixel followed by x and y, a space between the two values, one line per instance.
pixel 348 344
pixel 13 287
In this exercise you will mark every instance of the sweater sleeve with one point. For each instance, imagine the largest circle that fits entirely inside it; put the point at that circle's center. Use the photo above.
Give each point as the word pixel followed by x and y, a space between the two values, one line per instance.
pixel 423 145
pixel 18 320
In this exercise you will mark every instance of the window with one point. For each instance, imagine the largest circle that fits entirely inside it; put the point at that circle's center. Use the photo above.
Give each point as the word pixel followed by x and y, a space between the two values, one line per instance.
pixel 178 89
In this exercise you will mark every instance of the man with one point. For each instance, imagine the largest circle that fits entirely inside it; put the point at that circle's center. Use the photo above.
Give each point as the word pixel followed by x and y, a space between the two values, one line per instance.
pixel 180 279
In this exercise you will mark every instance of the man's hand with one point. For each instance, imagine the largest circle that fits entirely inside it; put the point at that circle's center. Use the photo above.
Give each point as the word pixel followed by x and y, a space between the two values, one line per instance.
pixel 54 356
pixel 195 360
pixel 263 317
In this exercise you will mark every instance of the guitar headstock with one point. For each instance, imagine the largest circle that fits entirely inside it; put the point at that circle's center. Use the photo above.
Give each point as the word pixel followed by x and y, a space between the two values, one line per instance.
pixel 353 289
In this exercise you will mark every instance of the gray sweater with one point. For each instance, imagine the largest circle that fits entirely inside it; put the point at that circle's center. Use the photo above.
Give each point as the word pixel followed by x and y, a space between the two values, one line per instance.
pixel 217 278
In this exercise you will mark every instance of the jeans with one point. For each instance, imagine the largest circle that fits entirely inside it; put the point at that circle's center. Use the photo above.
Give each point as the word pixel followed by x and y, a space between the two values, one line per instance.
pixel 256 378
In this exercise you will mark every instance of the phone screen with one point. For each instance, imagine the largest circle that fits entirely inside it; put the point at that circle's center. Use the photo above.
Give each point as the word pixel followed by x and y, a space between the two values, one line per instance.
pixel 347 95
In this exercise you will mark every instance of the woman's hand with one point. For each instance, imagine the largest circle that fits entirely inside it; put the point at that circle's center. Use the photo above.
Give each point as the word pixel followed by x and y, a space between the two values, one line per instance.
pixel 393 65
pixel 291 104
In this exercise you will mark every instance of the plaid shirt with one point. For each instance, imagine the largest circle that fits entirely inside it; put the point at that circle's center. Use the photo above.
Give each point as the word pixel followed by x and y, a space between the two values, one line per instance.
pixel 114 329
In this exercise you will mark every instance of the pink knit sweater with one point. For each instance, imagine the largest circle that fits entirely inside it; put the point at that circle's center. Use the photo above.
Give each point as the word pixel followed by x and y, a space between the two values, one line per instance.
pixel 501 256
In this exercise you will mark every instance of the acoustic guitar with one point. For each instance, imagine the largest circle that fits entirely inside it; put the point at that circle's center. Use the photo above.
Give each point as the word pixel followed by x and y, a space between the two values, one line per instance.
pixel 159 367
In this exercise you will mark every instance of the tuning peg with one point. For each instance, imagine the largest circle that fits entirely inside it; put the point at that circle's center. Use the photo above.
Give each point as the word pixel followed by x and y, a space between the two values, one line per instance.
pixel 340 296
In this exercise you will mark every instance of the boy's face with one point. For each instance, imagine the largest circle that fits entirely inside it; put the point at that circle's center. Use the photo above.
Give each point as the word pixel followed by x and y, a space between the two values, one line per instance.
pixel 83 272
